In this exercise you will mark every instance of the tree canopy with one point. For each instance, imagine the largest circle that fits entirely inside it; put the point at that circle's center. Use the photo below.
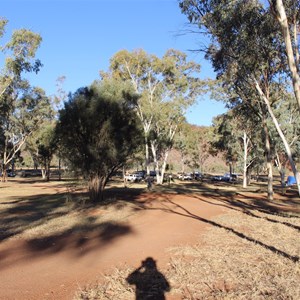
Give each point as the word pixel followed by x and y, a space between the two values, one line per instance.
pixel 98 131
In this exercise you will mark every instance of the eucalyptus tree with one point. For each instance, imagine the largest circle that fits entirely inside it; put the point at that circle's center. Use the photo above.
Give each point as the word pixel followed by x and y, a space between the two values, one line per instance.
pixel 21 116
pixel 19 54
pixel 199 146
pixel 288 118
pixel 194 144
pixel 98 132
pixel 166 87
pixel 288 16
pixel 181 144
pixel 22 108
pixel 42 146
pixel 246 46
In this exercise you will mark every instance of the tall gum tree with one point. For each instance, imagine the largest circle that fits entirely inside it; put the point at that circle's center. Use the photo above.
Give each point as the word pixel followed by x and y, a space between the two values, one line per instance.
pixel 247 42
pixel 22 107
pixel 166 87
pixel 289 23
pixel 22 116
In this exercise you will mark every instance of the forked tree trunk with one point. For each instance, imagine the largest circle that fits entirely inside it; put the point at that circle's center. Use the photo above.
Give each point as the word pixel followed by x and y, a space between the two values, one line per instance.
pixel 281 134
pixel 283 21
pixel 154 154
pixel 160 170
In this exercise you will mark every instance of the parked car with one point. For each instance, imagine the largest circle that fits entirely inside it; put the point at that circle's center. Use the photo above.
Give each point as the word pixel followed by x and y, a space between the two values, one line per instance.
pixel 198 176
pixel 184 176
pixel 31 173
pixel 141 174
pixel 291 180
pixel 133 177
pixel 9 173
pixel 217 178
pixel 152 173
pixel 227 177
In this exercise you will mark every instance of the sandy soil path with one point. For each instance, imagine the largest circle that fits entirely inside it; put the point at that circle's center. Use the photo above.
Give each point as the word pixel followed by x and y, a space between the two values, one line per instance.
pixel 55 272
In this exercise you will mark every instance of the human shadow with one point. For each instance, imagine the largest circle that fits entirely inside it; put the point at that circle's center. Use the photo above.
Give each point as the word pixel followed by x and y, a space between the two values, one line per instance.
pixel 149 283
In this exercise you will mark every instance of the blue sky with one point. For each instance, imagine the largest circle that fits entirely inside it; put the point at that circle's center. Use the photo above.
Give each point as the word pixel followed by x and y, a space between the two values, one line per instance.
pixel 80 37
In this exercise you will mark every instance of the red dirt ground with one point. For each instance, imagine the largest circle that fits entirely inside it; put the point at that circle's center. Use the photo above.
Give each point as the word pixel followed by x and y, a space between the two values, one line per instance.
pixel 57 272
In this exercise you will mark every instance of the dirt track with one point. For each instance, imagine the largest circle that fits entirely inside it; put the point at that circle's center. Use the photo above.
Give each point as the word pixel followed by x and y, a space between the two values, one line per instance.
pixel 58 268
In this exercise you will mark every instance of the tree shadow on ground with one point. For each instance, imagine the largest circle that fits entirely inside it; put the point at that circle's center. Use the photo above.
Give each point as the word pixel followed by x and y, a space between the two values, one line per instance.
pixel 180 210
pixel 21 213
pixel 18 215
pixel 228 199
pixel 239 197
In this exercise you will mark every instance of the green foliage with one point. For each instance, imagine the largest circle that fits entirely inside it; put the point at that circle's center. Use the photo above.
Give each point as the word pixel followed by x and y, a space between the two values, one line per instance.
pixel 166 87
pixel 42 146
pixel 248 53
pixel 22 108
pixel 195 145
pixel 98 131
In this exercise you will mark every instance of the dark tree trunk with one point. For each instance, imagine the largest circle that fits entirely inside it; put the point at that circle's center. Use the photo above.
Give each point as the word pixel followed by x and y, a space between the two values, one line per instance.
pixel 96 188
pixel 269 161
pixel 59 169
pixel 48 171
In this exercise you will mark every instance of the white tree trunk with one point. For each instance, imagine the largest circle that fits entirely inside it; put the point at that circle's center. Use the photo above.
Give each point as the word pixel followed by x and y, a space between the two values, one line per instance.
pixel 246 142
pixel 281 134
pixel 147 159
pixel 282 18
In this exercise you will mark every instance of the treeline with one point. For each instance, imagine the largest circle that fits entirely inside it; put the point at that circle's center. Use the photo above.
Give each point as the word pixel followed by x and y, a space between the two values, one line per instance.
pixel 254 50
pixel 132 112
pixel 135 110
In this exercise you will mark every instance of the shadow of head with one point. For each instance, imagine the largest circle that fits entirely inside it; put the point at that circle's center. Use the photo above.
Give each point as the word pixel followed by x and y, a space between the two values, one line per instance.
pixel 149 282
pixel 149 263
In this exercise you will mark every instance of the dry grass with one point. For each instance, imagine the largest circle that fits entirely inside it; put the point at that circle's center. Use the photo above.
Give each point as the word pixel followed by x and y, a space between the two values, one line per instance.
pixel 32 209
pixel 225 265
pixel 243 257
pixel 112 286
pixel 251 255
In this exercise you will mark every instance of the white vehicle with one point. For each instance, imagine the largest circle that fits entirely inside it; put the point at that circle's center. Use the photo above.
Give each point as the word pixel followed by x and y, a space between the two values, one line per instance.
pixel 183 176
pixel 133 177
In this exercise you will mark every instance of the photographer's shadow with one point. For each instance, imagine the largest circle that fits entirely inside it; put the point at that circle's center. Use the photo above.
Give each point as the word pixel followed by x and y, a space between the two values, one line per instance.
pixel 150 283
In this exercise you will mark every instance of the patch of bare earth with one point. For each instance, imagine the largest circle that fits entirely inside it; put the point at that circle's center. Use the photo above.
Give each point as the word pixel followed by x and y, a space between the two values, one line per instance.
pixel 184 241
pixel 50 247
pixel 242 255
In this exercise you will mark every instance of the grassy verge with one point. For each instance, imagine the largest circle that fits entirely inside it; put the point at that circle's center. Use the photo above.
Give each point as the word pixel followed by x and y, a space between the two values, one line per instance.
pixel 251 253
pixel 34 209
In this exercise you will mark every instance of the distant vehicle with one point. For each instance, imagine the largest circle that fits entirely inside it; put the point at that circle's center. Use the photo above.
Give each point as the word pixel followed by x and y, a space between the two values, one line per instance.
pixel 141 173
pixel 152 173
pixel 9 173
pixel 133 177
pixel 198 176
pixel 291 180
pixel 184 176
pixel 226 177
pixel 217 178
pixel 31 173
